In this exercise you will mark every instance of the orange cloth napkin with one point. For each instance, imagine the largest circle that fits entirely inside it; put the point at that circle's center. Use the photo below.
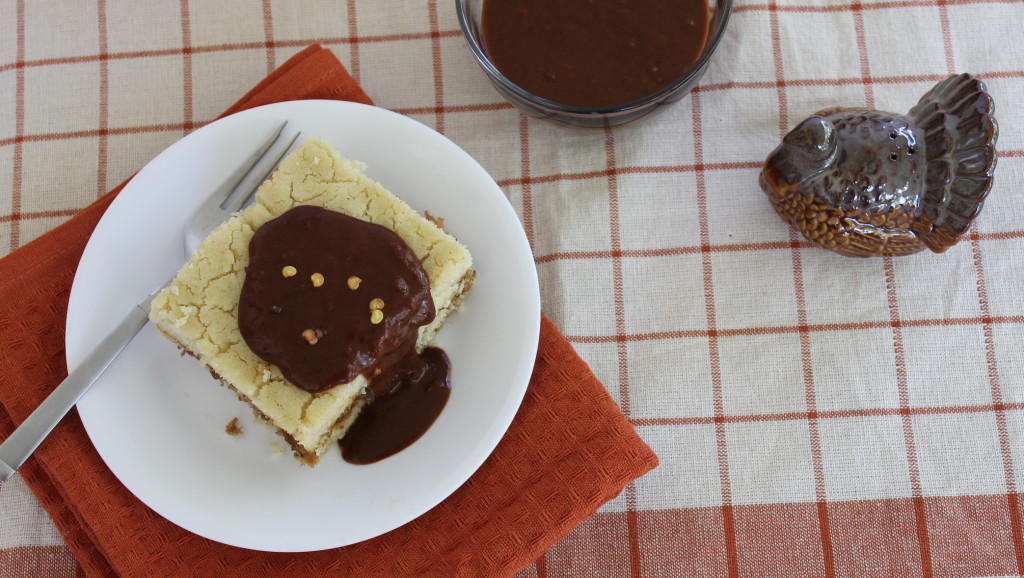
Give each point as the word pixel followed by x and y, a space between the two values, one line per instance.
pixel 568 451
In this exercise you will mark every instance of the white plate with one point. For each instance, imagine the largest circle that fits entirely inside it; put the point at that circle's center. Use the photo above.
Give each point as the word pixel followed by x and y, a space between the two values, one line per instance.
pixel 158 418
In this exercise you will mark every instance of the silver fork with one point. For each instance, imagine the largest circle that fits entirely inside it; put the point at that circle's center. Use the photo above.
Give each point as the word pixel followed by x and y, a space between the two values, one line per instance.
pixel 233 195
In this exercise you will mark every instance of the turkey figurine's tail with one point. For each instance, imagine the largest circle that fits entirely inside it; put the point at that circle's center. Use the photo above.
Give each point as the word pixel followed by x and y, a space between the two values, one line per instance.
pixel 957 116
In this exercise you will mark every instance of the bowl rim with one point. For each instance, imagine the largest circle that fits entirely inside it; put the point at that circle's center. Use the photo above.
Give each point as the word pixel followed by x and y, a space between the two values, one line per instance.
pixel 724 7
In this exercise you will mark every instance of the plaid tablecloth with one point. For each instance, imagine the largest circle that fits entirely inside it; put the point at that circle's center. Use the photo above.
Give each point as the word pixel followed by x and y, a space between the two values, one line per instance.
pixel 815 415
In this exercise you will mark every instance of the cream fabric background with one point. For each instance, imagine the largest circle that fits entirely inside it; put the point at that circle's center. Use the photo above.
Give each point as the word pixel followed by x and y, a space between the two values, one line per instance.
pixel 763 372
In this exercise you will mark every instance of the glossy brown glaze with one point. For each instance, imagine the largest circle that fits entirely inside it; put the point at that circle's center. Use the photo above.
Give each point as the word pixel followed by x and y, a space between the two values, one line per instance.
pixel 298 312
pixel 594 52
pixel 864 182
pixel 406 400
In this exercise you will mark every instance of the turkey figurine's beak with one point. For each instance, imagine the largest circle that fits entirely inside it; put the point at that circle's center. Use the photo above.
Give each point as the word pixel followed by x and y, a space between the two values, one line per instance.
pixel 806 150
pixel 814 137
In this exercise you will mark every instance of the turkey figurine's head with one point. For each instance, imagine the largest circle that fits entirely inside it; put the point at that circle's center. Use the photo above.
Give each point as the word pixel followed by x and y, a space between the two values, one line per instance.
pixel 807 150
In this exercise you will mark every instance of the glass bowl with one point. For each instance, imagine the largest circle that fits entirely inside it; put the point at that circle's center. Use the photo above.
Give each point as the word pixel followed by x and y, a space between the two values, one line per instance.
pixel 469 14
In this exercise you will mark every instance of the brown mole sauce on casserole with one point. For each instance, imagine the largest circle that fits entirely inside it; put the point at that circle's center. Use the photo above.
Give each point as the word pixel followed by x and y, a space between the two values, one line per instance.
pixel 313 283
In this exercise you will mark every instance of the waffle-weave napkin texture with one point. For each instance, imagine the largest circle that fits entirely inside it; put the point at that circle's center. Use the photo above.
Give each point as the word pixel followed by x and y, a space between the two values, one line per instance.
pixel 568 451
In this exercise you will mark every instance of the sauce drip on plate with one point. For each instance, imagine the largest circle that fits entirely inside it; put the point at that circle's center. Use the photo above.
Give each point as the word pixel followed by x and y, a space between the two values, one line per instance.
pixel 407 398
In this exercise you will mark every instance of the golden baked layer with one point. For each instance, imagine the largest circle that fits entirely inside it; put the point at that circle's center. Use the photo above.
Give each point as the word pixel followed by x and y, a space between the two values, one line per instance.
pixel 198 310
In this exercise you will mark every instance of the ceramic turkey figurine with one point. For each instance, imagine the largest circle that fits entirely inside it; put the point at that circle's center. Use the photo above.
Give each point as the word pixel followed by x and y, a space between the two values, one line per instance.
pixel 862 182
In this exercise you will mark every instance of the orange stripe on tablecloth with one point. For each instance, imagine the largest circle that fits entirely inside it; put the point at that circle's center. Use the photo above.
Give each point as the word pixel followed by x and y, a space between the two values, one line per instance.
pixel 862 52
pixel 810 397
pixel 228 47
pixel 1017 527
pixel 995 386
pixel 1002 235
pixel 870 6
pixel 908 424
pixel 806 361
pixel 790 329
pixel 633 531
pixel 540 565
pixel 829 414
pixel 56 560
pixel 947 39
pixel 435 50
pixel 728 517
pixel 527 188
pixel 455 108
pixel 665 251
pixel 777 61
pixel 354 41
pixel 727 521
pixel 921 521
pixel 19 128
pixel 268 36
pixel 186 68
pixel 615 239
pixel 141 129
pixel 103 146
pixel 622 350
pixel 633 170
pixel 38 215
pixel 846 81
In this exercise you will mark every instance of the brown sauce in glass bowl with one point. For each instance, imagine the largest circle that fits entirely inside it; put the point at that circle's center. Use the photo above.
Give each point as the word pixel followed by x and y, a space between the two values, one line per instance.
pixel 594 53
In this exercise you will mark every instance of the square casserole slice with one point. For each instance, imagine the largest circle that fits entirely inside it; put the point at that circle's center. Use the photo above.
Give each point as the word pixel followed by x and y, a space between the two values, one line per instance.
pixel 198 310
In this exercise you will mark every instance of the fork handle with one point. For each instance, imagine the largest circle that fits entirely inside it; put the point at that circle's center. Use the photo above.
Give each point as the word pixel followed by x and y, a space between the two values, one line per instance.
pixel 27 437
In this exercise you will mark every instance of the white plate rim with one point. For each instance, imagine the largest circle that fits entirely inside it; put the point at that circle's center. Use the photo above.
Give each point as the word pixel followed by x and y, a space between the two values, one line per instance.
pixel 86 318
